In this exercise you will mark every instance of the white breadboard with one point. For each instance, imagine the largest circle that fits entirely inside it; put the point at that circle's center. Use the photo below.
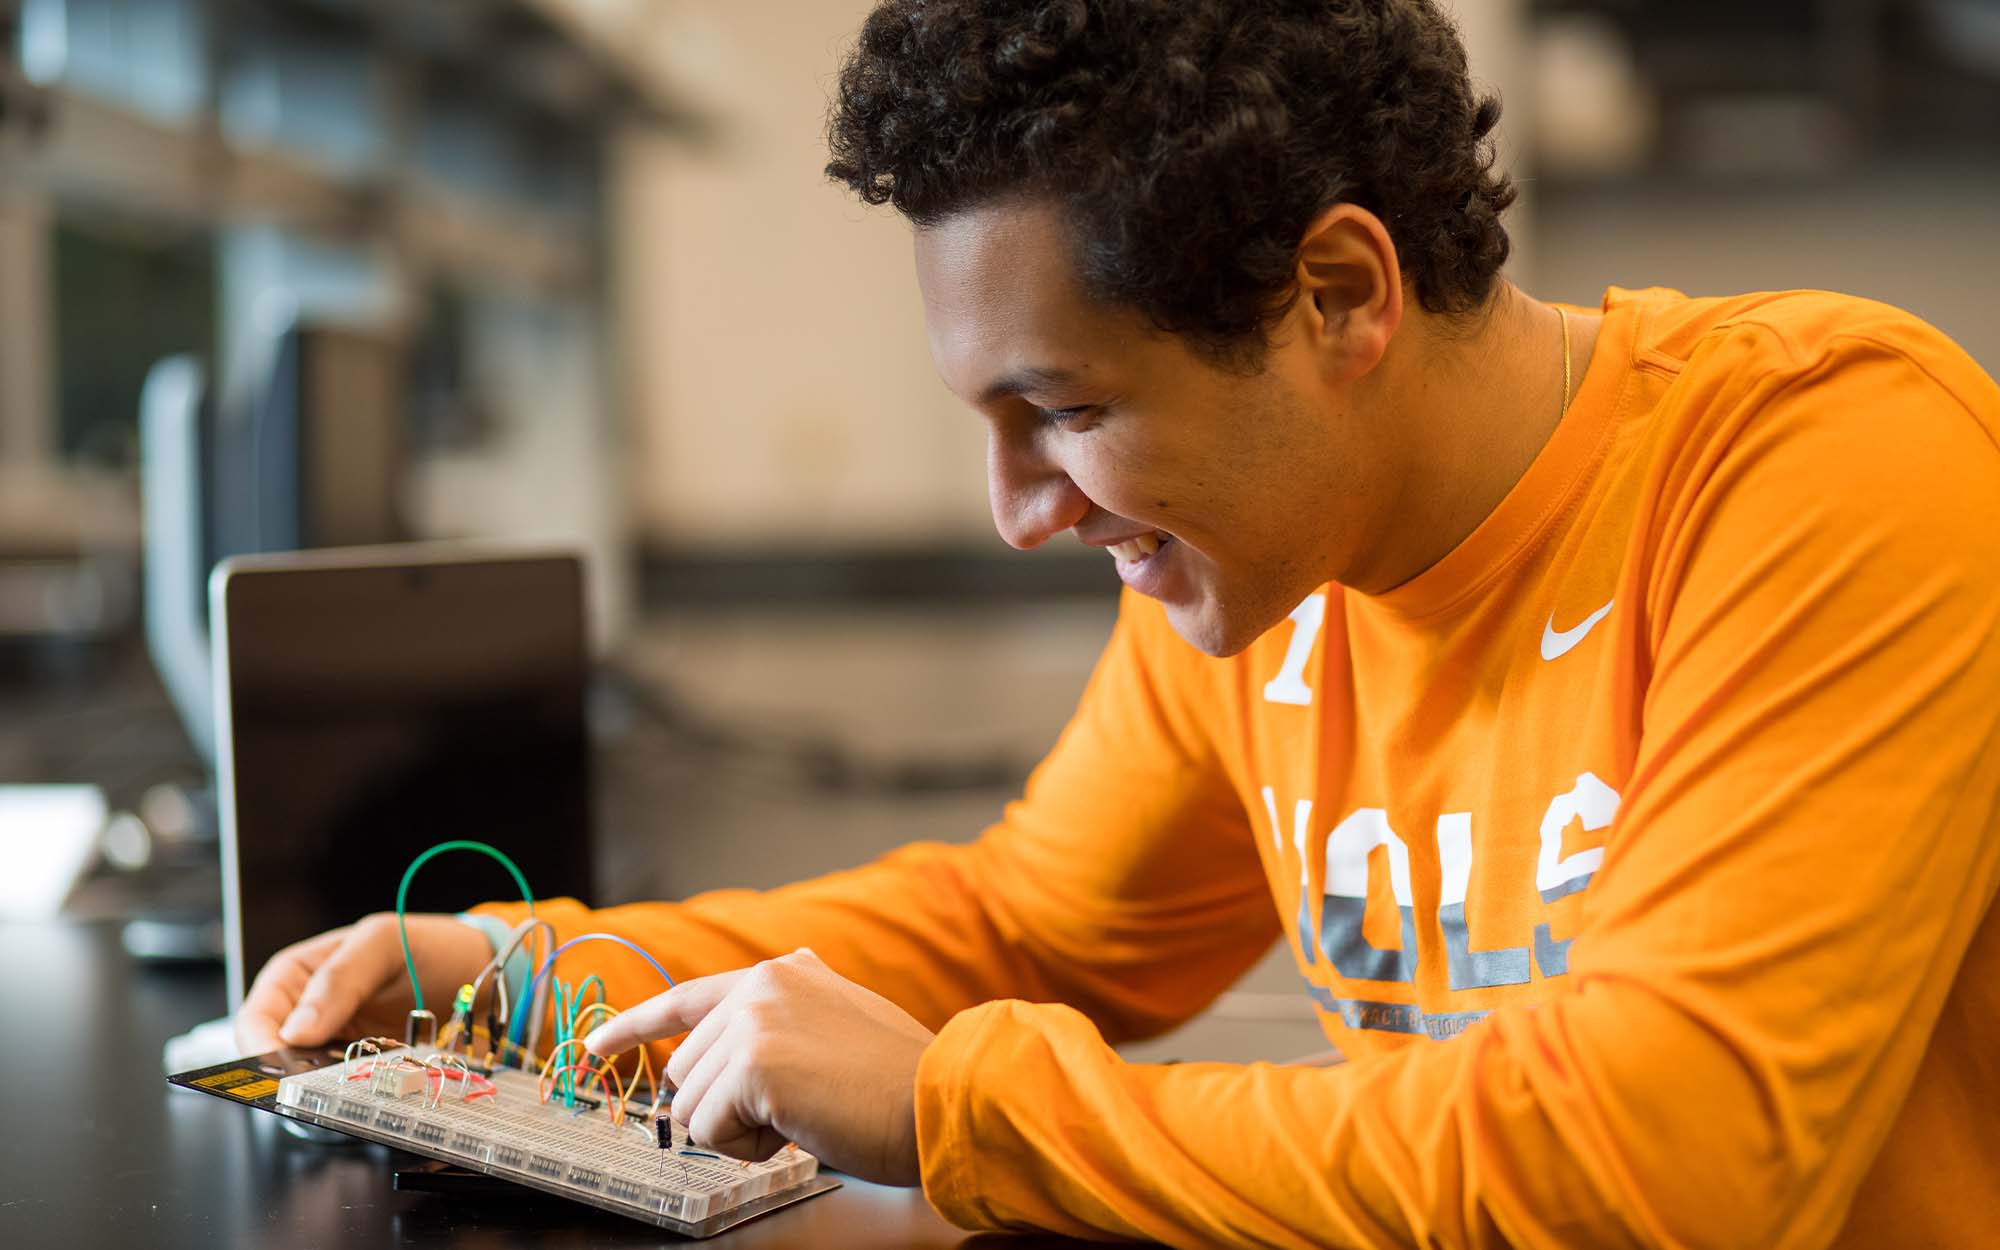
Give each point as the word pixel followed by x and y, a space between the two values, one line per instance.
pixel 576 1151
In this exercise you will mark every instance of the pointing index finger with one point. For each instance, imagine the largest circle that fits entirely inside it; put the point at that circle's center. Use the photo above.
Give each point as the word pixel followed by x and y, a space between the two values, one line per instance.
pixel 663 1015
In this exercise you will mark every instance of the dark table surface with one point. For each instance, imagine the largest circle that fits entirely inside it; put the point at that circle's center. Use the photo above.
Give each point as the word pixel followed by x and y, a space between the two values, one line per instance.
pixel 96 1149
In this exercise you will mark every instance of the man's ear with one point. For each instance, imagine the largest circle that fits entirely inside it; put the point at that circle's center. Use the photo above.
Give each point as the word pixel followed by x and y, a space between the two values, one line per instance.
pixel 1350 289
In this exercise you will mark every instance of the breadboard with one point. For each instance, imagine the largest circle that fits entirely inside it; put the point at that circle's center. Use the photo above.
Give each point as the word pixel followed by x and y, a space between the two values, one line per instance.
pixel 573 1151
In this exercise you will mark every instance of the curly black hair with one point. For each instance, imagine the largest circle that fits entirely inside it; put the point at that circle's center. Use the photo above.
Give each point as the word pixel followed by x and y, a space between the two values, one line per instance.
pixel 1189 143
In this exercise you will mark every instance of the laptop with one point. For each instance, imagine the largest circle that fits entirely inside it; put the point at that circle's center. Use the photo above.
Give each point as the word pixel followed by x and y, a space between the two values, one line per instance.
pixel 372 702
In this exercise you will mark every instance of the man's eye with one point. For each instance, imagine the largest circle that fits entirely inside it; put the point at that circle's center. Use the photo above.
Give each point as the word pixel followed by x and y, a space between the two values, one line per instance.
pixel 1065 416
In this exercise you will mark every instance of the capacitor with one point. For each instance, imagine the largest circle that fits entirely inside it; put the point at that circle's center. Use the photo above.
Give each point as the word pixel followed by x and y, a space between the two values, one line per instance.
pixel 663 1129
pixel 420 1029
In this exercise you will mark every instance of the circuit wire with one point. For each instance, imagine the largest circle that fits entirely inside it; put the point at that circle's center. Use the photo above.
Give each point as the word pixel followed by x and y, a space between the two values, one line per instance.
pixel 403 894
pixel 534 985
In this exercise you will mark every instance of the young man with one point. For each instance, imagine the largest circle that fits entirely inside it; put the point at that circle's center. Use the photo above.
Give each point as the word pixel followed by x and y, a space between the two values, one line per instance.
pixel 1602 704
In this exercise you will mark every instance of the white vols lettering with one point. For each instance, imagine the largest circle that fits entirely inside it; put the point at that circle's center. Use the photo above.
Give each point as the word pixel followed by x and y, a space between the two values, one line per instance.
pixel 1336 932
pixel 1345 899
pixel 1289 686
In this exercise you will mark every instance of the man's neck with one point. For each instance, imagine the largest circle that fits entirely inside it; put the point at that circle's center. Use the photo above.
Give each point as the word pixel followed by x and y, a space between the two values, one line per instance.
pixel 1475 402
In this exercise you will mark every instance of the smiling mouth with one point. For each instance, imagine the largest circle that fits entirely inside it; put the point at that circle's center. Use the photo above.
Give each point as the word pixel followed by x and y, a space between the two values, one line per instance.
pixel 1133 550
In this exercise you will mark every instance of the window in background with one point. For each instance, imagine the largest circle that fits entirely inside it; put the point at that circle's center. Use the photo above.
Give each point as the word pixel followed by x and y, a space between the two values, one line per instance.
pixel 449 412
pixel 465 144
pixel 123 300
pixel 148 55
pixel 315 96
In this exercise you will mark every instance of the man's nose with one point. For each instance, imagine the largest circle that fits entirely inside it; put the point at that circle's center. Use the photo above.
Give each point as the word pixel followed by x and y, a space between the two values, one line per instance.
pixel 1033 498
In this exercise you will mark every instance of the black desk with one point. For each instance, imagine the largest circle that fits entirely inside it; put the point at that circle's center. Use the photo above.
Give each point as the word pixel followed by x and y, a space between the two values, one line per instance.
pixel 96 1150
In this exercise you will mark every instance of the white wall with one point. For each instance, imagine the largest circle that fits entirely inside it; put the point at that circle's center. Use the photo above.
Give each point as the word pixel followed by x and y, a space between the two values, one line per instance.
pixel 781 378
pixel 1496 35
pixel 26 349
pixel 1919 237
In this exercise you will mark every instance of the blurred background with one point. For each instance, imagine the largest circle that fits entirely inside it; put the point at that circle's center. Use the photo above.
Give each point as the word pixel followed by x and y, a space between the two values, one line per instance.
pixel 567 272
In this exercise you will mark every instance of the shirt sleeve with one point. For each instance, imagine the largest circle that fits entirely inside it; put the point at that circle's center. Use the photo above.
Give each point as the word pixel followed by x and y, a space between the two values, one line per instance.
pixel 1806 849
pixel 1124 882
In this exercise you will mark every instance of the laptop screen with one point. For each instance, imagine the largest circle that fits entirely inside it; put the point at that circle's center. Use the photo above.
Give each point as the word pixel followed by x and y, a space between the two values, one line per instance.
pixel 371 704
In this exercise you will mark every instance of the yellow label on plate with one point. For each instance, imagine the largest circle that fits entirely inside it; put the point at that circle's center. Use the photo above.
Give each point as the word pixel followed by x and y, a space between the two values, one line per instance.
pixel 235 1076
pixel 238 1083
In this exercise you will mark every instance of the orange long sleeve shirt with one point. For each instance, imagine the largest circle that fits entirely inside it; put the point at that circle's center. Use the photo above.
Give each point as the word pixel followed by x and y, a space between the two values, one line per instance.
pixel 1640 854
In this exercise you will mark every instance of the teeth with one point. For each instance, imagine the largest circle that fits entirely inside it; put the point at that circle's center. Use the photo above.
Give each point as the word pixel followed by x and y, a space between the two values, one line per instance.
pixel 1135 548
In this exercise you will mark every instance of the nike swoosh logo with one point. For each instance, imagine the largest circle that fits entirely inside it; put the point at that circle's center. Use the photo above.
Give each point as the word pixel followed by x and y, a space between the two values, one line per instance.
pixel 1557 643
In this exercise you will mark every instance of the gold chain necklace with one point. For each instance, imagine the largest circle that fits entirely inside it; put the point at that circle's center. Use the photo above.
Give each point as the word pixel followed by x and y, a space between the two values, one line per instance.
pixel 1564 318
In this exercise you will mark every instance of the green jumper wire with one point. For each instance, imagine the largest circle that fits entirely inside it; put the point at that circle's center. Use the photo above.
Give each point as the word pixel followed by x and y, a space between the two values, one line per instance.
pixel 403 894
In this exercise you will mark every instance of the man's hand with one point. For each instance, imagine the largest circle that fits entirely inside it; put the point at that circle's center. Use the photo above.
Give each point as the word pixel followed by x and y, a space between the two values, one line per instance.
pixel 787 1050
pixel 352 980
